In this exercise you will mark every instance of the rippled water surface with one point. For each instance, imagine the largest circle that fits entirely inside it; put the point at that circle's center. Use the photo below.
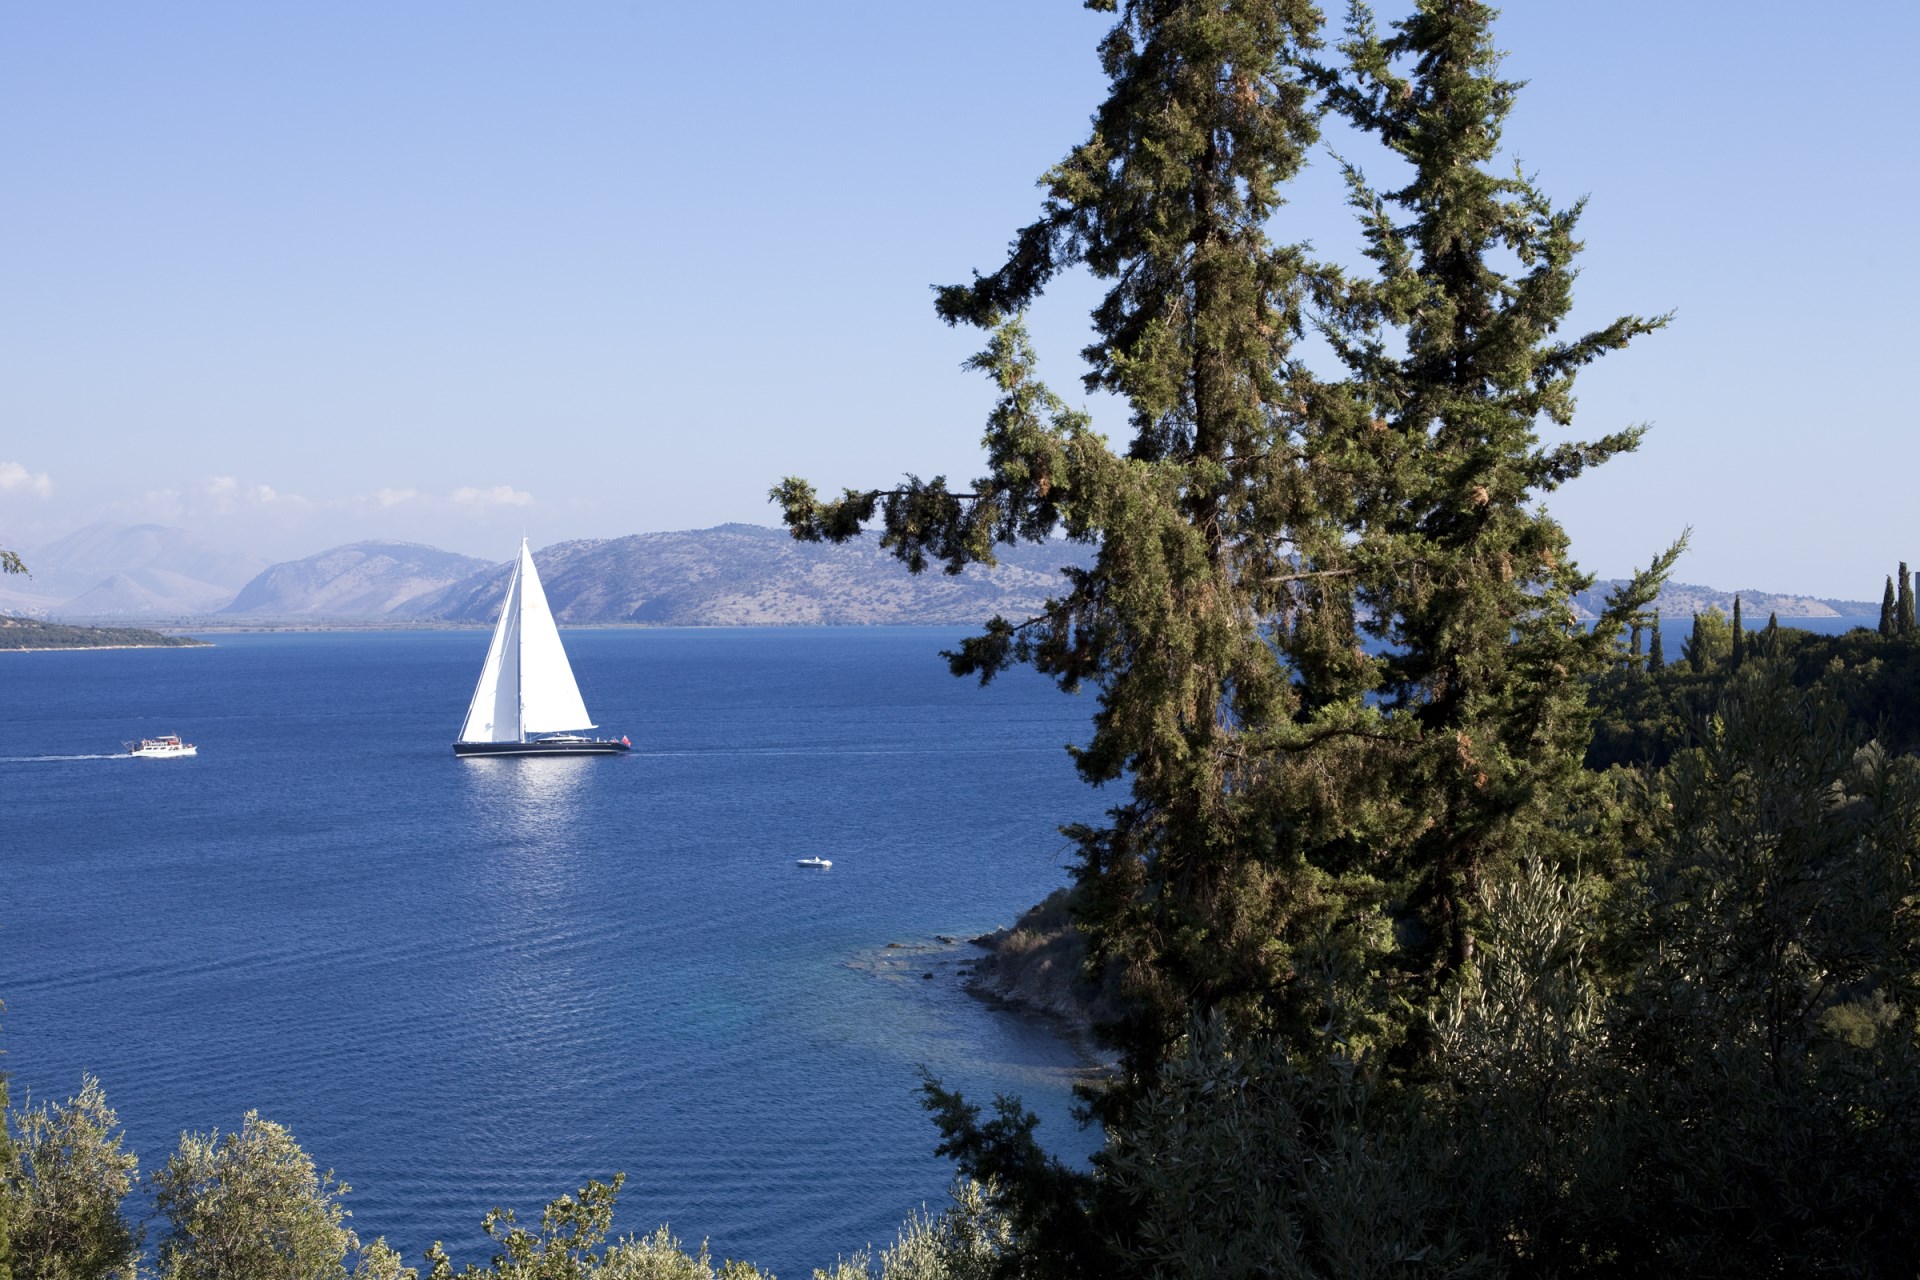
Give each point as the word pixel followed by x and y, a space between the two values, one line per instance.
pixel 470 982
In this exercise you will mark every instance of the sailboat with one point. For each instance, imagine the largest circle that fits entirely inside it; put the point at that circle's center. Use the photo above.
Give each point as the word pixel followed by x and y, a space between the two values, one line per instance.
pixel 527 702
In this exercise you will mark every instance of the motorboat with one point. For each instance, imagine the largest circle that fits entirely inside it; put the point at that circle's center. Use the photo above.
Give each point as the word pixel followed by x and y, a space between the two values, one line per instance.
pixel 819 863
pixel 165 747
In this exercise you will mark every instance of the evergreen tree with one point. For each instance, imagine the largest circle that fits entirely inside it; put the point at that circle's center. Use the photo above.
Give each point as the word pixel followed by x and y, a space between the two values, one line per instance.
pixel 1656 655
pixel 1634 650
pixel 1297 806
pixel 1224 514
pixel 1465 578
pixel 1711 641
pixel 1889 611
pixel 1739 636
pixel 1903 621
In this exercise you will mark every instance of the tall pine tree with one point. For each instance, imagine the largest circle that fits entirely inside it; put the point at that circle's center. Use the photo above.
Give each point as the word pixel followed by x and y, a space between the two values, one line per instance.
pixel 1462 574
pixel 1297 805
pixel 1216 620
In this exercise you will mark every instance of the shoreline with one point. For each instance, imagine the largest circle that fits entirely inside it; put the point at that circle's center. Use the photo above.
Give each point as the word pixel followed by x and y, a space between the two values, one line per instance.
pixel 96 648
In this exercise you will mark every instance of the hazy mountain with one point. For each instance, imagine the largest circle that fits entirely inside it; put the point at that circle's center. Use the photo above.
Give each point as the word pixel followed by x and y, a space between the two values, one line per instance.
pixel 147 593
pixel 747 574
pixel 109 569
pixel 1682 600
pixel 361 580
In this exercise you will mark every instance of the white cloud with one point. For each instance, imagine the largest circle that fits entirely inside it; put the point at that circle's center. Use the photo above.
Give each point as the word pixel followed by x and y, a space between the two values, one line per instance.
pixel 394 497
pixel 223 494
pixel 498 496
pixel 14 476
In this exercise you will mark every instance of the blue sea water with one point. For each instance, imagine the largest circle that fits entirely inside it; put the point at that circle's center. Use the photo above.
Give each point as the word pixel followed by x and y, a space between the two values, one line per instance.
pixel 463 983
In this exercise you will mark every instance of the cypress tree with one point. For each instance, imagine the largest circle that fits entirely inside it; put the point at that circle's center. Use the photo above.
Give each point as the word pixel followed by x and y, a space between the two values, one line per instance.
pixel 1634 650
pixel 1697 647
pixel 1889 611
pixel 1481 658
pixel 1216 622
pixel 1656 655
pixel 1297 805
pixel 1903 621
pixel 1739 636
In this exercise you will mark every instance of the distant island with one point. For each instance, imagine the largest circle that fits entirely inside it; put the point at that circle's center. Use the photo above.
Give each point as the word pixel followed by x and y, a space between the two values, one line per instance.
pixel 32 633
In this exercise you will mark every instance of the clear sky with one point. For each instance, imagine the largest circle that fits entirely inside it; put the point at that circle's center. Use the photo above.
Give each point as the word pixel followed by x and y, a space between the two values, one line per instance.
pixel 294 275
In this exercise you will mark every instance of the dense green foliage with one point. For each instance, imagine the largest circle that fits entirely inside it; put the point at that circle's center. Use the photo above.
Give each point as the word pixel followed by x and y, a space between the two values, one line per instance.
pixel 65 1187
pixel 1405 986
pixel 1298 803
pixel 250 1203
pixel 1642 718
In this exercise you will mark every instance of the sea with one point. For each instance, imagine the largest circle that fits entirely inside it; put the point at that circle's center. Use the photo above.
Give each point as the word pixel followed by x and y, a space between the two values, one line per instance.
pixel 467 983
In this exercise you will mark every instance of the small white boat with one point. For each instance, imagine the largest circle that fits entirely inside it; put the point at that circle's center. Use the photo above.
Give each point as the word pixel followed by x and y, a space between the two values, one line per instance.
pixel 821 863
pixel 165 747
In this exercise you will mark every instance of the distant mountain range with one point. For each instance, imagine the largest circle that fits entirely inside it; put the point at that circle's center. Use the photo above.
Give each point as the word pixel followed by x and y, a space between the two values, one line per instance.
pixel 746 574
pixel 109 570
pixel 360 580
pixel 730 575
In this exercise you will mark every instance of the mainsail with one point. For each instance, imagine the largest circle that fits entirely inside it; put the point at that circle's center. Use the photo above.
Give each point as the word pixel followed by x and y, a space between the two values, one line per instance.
pixel 526 686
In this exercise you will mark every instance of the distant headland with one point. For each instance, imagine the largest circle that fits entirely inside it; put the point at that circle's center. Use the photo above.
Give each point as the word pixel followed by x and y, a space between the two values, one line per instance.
pixel 31 634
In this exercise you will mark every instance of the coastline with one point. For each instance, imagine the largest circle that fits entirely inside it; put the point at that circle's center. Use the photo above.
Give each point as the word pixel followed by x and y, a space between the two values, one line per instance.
pixel 1037 966
pixel 95 648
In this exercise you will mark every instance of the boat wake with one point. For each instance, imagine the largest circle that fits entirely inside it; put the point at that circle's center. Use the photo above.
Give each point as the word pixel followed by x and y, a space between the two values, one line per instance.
pixel 114 755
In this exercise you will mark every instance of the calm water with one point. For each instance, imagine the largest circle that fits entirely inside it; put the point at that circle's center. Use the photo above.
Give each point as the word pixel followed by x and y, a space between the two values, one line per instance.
pixel 469 982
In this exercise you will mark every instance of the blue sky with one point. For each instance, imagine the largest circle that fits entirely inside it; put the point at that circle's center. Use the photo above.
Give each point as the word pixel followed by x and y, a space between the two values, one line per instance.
pixel 294 275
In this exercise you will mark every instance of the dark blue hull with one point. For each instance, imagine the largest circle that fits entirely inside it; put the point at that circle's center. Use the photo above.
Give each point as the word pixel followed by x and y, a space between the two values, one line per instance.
pixel 550 747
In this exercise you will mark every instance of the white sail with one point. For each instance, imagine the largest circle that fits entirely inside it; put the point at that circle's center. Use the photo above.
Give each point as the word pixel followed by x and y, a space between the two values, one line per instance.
pixel 494 715
pixel 549 697
pixel 526 685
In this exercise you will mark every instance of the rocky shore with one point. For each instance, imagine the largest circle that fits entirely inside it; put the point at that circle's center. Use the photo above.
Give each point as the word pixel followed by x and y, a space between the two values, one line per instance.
pixel 1038 964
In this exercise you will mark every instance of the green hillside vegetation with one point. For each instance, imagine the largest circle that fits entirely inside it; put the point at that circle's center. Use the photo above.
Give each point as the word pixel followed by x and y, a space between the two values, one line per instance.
pixel 1647 711
pixel 30 633
pixel 1448 936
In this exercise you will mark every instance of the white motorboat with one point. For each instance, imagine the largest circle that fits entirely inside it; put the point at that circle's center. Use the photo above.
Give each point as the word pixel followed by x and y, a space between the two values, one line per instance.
pixel 527 701
pixel 821 863
pixel 165 747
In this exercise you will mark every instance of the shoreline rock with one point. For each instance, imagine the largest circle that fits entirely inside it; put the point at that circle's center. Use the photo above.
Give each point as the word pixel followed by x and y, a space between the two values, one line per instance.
pixel 1037 965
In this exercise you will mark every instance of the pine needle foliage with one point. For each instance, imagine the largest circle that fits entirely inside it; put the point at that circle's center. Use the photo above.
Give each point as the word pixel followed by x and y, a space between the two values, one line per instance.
pixel 1327 622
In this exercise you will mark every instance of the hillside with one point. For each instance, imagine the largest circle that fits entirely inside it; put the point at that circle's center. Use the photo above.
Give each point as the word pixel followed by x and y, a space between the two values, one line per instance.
pixel 360 580
pixel 739 574
pixel 1682 600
